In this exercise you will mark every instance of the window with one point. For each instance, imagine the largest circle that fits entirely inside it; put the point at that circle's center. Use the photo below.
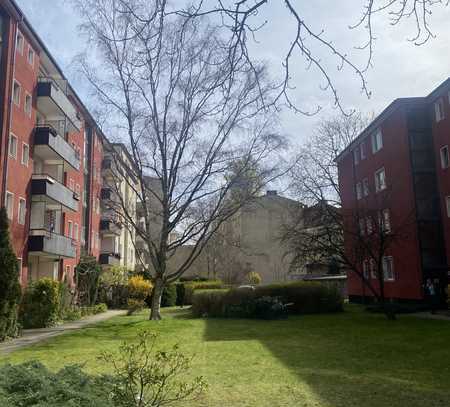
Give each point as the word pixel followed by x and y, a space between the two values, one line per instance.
pixel 25 154
pixel 13 146
pixel 19 42
pixel 22 211
pixel 388 268
pixel 28 104
pixel 366 269
pixel 377 141
pixel 16 93
pixel 77 189
pixel 30 56
pixel 358 191
pixel 67 271
pixel 362 227
pixel 366 189
pixel 9 204
pixel 444 157
pixel 71 184
pixel 369 226
pixel 385 220
pixel 447 200
pixel 362 151
pixel 70 229
pixel 356 155
pixel 75 231
pixel 373 271
pixel 439 110
pixel 380 180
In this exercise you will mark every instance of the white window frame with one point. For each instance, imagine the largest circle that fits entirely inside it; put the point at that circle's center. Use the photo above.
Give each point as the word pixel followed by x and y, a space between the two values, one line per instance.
pixel 356 157
pixel 439 111
pixel 19 214
pixel 9 208
pixel 70 229
pixel 22 45
pixel 359 191
pixel 391 261
pixel 72 184
pixel 386 220
pixel 16 82
pixel 377 141
pixel 13 136
pixel 447 201
pixel 445 159
pixel 31 52
pixel 30 98
pixel 75 231
pixel 378 186
pixel 25 146
pixel 362 152
pixel 366 188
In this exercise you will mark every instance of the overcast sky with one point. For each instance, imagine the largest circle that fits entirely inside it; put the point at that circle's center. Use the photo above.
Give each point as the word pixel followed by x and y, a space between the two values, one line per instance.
pixel 400 68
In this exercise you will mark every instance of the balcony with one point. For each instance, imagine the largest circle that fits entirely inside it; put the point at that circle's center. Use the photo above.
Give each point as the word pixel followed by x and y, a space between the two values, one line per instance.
pixel 53 102
pixel 53 149
pixel 109 259
pixel 110 227
pixel 46 189
pixel 42 242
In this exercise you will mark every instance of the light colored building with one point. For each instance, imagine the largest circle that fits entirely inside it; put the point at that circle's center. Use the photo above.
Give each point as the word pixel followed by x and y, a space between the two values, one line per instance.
pixel 120 188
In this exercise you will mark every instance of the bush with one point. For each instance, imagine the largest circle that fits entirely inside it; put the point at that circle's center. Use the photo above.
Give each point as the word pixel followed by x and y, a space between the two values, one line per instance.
pixel 190 287
pixel 94 310
pixel 180 287
pixel 139 290
pixel 32 384
pixel 169 296
pixel 41 304
pixel 268 302
pixel 253 278
pixel 72 314
pixel 10 291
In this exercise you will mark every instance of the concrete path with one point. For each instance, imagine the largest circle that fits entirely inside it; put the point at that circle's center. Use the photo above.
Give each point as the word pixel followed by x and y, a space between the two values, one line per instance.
pixel 33 336
pixel 429 315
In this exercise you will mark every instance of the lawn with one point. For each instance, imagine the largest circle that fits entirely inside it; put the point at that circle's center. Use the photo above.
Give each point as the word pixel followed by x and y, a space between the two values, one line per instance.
pixel 335 360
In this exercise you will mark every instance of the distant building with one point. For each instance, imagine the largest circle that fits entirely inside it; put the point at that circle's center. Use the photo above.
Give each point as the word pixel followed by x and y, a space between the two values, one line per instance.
pixel 399 166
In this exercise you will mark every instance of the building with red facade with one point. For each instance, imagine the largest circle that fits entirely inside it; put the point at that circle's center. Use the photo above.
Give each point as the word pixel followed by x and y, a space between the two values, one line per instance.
pixel 399 167
pixel 50 156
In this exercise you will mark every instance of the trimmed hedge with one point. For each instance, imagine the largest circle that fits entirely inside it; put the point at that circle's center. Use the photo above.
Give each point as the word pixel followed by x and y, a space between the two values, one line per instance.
pixel 169 296
pixel 300 298
pixel 190 287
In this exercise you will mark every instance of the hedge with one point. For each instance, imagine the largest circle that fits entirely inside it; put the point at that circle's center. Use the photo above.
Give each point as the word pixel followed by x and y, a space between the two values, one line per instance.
pixel 190 287
pixel 300 298
pixel 169 296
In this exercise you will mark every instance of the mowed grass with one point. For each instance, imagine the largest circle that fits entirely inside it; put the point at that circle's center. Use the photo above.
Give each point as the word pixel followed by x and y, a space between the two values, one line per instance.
pixel 335 360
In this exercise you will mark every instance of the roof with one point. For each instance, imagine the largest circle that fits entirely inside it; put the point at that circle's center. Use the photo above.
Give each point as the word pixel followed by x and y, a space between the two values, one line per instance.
pixel 389 110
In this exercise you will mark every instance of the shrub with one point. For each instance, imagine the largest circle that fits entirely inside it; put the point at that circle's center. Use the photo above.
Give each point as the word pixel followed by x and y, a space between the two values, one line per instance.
pixel 180 287
pixel 94 310
pixel 139 290
pixel 41 303
pixel 190 287
pixel 253 278
pixel 269 302
pixel 32 384
pixel 72 314
pixel 87 277
pixel 10 291
pixel 169 296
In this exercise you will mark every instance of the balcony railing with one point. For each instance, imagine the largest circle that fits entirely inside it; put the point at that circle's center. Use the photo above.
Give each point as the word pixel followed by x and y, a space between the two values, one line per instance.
pixel 50 244
pixel 51 147
pixel 53 102
pixel 109 259
pixel 44 188
pixel 108 226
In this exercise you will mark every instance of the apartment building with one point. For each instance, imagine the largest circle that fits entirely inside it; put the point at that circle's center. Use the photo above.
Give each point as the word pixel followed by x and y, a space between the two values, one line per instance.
pixel 398 166
pixel 49 153
pixel 120 190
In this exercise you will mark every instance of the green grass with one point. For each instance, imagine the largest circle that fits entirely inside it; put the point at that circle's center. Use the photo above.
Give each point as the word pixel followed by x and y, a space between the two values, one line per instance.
pixel 336 360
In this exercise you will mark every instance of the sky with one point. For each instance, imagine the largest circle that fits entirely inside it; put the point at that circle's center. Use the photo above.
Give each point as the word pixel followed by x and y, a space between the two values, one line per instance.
pixel 400 68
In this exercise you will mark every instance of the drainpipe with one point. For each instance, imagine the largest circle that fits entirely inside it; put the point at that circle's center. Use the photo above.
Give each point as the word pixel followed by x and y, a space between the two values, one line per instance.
pixel 9 113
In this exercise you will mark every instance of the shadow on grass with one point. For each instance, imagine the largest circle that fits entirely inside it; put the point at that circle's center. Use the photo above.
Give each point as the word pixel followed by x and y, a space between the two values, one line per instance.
pixel 354 358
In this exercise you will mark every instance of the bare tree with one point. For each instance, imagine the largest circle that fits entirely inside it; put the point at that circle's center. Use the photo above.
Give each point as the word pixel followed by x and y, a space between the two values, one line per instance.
pixel 187 110
pixel 244 19
pixel 357 239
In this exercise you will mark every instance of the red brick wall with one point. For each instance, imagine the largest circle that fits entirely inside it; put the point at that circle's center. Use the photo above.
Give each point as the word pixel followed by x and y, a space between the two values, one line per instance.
pixel 96 186
pixel 398 198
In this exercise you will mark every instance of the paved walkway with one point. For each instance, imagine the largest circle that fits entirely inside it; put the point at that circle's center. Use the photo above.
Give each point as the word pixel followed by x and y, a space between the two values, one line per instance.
pixel 429 315
pixel 32 336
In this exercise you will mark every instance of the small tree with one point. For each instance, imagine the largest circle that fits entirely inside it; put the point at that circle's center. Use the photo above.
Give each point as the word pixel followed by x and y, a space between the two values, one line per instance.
pixel 10 291
pixel 87 277
pixel 147 377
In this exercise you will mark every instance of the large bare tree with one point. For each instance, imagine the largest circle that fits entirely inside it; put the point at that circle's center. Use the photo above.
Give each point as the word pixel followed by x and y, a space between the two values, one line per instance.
pixel 188 110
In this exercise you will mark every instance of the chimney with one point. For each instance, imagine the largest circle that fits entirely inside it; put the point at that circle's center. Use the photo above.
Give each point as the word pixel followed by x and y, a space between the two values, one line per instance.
pixel 271 193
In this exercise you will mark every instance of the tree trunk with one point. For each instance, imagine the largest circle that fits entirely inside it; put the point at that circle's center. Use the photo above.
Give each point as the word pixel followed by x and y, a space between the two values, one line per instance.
pixel 155 314
pixel 387 309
